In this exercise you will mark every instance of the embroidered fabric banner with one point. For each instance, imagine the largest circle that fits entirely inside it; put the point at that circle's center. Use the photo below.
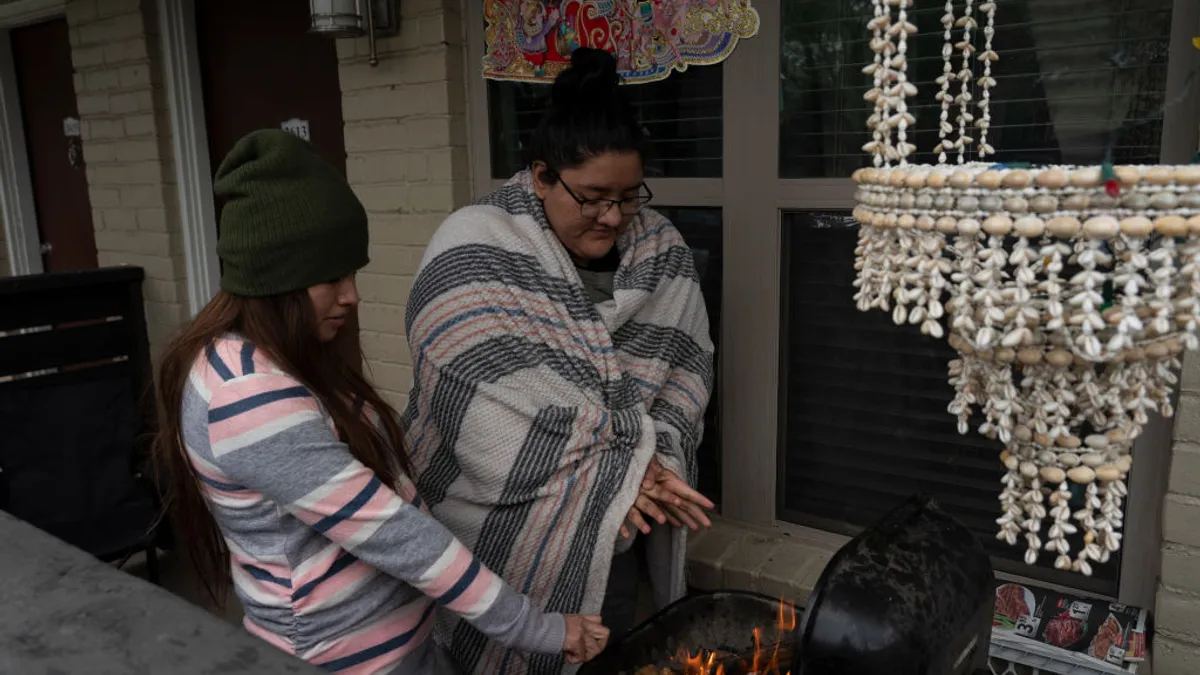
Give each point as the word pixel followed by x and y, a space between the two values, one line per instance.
pixel 532 40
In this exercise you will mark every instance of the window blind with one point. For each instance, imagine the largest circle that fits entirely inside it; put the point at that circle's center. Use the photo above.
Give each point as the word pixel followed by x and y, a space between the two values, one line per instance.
pixel 1070 73
pixel 682 115
pixel 865 421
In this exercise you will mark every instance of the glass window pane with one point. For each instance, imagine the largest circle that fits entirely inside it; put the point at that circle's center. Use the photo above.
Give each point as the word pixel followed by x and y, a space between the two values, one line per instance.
pixel 1069 75
pixel 865 421
pixel 701 228
pixel 682 114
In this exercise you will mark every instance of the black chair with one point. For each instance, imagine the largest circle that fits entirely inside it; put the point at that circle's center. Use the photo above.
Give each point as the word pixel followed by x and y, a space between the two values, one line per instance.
pixel 76 412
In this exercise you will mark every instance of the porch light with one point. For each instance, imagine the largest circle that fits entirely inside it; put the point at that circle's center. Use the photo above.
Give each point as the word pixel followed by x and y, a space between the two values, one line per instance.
pixel 354 19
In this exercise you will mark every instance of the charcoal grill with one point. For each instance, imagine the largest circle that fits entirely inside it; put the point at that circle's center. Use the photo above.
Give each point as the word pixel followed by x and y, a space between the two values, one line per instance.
pixel 722 621
pixel 911 595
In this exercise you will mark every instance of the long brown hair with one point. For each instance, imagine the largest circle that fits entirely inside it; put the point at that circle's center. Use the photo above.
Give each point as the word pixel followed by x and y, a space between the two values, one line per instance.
pixel 283 327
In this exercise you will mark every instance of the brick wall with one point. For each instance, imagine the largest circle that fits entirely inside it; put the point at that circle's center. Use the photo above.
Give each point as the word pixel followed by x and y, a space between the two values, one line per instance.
pixel 115 48
pixel 406 146
pixel 1177 650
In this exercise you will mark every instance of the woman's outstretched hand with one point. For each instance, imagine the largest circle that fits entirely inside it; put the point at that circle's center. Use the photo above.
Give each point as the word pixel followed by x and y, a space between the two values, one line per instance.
pixel 666 498
pixel 586 638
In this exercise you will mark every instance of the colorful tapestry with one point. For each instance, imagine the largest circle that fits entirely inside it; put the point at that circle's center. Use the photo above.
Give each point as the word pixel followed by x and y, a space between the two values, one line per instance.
pixel 532 40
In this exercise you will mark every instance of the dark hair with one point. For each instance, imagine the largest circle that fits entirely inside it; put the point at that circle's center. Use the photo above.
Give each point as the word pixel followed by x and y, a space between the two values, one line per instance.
pixel 282 327
pixel 589 114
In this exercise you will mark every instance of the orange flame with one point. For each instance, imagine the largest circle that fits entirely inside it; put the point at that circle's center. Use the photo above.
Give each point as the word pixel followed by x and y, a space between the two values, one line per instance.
pixel 765 660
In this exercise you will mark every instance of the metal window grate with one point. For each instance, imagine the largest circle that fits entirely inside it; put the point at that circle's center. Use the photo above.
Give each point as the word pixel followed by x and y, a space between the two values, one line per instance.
pixel 1069 74
pixel 682 114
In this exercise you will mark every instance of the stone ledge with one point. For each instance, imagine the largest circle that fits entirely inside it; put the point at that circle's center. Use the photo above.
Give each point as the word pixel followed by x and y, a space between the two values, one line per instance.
pixel 66 612
pixel 780 562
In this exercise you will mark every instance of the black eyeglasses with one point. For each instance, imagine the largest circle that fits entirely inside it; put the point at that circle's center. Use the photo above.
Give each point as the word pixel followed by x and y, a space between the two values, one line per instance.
pixel 595 208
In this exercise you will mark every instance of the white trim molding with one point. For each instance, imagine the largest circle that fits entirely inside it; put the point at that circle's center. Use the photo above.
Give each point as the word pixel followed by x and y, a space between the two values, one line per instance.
pixel 17 206
pixel 189 140
pixel 24 12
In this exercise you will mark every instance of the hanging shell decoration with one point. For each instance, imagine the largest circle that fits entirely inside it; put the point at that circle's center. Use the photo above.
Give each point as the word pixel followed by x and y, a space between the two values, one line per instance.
pixel 1068 295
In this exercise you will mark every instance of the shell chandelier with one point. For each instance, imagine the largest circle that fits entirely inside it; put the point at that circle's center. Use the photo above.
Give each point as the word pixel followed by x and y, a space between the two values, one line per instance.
pixel 1069 292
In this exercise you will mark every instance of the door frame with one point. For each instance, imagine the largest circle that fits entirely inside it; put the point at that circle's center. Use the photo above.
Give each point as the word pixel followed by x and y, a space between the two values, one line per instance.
pixel 189 142
pixel 17 207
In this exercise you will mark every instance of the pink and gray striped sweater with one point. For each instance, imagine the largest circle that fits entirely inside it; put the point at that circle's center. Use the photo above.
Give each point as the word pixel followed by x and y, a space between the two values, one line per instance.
pixel 330 564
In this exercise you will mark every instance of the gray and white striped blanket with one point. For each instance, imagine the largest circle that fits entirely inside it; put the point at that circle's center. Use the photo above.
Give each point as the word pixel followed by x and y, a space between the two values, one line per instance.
pixel 535 413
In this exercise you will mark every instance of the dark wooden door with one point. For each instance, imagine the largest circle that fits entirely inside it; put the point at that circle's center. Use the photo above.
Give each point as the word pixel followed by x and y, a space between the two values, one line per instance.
pixel 45 82
pixel 259 68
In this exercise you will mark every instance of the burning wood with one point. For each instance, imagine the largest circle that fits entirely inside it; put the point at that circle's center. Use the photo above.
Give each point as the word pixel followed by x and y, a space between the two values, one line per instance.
pixel 772 658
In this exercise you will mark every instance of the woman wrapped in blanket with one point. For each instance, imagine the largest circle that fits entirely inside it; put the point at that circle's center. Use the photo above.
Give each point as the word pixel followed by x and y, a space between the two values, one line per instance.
pixel 562 364
pixel 287 470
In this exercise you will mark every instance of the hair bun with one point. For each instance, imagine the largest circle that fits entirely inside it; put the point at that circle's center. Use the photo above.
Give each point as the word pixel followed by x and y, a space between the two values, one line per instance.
pixel 593 74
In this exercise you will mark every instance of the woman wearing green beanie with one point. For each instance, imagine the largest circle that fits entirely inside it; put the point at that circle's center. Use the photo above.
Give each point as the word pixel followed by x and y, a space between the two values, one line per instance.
pixel 287 471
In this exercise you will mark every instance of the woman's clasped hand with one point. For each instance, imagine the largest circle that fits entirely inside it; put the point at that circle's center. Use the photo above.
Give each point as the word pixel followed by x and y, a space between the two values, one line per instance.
pixel 664 497
pixel 586 638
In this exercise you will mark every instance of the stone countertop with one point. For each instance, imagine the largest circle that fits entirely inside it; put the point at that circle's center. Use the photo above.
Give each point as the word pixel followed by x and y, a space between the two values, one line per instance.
pixel 62 612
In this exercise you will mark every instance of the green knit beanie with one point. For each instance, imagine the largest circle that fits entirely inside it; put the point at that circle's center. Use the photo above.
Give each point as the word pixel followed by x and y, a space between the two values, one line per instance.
pixel 290 220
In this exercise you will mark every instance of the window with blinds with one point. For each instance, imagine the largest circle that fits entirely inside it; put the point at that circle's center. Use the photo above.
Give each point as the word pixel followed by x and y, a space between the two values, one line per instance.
pixel 682 114
pixel 1070 74
pixel 864 410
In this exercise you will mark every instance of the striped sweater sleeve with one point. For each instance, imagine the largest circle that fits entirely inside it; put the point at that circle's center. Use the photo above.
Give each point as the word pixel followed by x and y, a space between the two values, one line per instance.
pixel 267 432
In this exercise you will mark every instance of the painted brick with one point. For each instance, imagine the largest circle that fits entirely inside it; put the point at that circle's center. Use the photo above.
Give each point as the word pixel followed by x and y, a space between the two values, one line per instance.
pixel 130 102
pixel 120 219
pixel 1174 657
pixel 389 289
pixel 154 220
pixel 1190 380
pixel 1181 514
pixel 376 136
pixel 386 167
pixel 396 261
pixel 406 229
pixel 166 292
pixel 1185 469
pixel 136 75
pixel 385 347
pixel 101 80
pixel 140 196
pixel 1178 615
pixel 390 376
pixel 448 164
pixel 134 241
pixel 124 27
pixel 129 164
pixel 399 132
pixel 123 52
pixel 101 129
pixel 1187 418
pixel 381 103
pixel 387 197
pixel 100 196
pixel 91 104
pixel 1181 572
pixel 433 29
pixel 381 318
pixel 432 197
pixel 87 57
pixel 80 11
pixel 140 125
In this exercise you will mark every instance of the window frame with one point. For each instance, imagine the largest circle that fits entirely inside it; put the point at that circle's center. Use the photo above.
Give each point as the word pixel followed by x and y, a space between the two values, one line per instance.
pixel 753 198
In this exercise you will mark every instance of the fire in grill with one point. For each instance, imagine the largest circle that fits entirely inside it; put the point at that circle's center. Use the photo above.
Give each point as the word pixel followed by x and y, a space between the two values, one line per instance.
pixel 911 595
pixel 720 633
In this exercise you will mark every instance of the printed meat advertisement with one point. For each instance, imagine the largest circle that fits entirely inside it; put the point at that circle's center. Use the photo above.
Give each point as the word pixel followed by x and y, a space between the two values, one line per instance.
pixel 1098 629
